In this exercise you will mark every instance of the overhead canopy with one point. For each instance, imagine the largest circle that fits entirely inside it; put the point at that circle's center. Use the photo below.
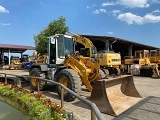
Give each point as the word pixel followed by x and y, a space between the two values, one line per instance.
pixel 119 45
pixel 119 42
pixel 15 48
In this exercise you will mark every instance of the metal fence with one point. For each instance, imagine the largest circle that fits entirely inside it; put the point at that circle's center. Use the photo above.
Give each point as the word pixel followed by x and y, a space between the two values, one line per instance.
pixel 95 113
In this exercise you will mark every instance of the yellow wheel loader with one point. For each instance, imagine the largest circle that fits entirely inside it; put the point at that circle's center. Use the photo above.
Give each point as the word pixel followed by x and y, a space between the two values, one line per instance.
pixel 139 64
pixel 73 70
pixel 146 62
pixel 148 67
pixel 42 59
pixel 142 59
pixel 15 63
pixel 135 64
pixel 154 58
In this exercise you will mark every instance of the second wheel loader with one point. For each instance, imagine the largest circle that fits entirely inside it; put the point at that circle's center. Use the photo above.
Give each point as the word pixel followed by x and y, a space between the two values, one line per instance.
pixel 74 70
pixel 154 58
pixel 147 63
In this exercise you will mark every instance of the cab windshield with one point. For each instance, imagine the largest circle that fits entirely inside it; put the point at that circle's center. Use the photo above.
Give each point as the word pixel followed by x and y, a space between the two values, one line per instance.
pixel 153 53
pixel 139 54
pixel 65 46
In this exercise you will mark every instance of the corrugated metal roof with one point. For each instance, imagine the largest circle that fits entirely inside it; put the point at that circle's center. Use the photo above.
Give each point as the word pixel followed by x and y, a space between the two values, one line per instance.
pixel 119 40
pixel 16 48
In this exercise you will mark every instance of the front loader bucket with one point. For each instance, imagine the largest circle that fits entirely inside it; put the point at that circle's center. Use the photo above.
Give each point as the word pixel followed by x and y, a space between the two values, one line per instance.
pixel 115 95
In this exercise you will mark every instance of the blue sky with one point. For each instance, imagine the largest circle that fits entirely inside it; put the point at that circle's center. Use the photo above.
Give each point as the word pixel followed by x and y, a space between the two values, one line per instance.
pixel 134 20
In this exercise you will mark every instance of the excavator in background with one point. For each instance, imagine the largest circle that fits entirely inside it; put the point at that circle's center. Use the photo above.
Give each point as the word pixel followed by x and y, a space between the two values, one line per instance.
pixel 74 69
pixel 110 62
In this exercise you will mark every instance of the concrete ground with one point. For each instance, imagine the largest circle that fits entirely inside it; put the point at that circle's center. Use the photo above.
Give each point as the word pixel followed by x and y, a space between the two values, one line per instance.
pixel 145 85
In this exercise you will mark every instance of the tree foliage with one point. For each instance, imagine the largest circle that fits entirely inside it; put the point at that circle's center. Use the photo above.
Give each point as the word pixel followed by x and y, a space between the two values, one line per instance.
pixel 55 27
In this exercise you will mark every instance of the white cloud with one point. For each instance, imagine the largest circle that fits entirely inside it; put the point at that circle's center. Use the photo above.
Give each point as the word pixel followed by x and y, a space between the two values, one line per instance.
pixel 115 12
pixel 135 19
pixel 3 10
pixel 108 4
pixel 134 3
pixel 151 18
pixel 130 18
pixel 111 33
pixel 5 24
pixel 99 11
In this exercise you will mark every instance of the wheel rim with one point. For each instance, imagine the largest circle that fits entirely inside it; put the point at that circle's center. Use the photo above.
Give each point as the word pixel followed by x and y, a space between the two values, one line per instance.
pixel 64 80
pixel 34 80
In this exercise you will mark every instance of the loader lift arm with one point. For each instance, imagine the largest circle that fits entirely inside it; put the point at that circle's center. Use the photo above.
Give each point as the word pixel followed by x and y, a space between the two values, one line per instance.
pixel 86 42
pixel 87 73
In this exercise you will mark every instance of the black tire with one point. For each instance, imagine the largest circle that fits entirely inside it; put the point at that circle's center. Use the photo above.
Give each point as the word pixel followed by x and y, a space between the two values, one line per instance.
pixel 106 72
pixel 146 71
pixel 118 71
pixel 102 74
pixel 73 83
pixel 36 72
pixel 114 71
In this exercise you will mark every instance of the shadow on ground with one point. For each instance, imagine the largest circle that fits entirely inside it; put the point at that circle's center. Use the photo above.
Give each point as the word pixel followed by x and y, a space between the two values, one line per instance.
pixel 146 109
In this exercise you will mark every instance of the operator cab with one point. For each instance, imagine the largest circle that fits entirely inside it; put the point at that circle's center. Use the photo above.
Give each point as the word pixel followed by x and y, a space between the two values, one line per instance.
pixel 141 54
pixel 154 53
pixel 59 46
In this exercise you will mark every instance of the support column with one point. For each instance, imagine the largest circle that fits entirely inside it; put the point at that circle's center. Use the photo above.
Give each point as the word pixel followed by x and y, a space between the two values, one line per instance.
pixel 9 60
pixel 107 45
pixel 21 55
pixel 21 59
pixel 2 52
pixel 130 50
pixel 1 58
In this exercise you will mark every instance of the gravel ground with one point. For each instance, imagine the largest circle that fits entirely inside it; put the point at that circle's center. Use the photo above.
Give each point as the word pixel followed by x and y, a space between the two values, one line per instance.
pixel 145 85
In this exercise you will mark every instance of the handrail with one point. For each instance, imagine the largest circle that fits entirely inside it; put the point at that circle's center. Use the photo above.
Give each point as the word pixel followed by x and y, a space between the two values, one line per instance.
pixel 94 110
